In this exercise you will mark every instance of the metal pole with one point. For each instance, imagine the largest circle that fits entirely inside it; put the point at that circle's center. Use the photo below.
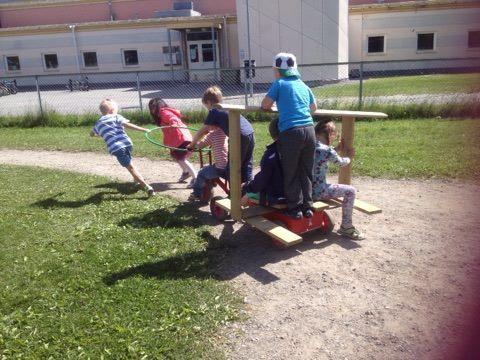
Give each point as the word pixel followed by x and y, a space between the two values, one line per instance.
pixel 39 97
pixel 139 95
pixel 249 50
pixel 170 53
pixel 72 27
pixel 214 51
pixel 360 87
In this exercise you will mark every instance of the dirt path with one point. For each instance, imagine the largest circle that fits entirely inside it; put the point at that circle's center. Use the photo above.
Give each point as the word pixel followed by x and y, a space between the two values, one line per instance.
pixel 410 291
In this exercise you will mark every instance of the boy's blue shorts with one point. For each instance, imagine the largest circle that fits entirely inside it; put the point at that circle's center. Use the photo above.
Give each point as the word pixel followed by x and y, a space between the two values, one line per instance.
pixel 124 156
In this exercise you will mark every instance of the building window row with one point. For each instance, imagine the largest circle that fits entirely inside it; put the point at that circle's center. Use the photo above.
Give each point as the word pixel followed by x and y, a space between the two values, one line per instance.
pixel 90 59
pixel 426 41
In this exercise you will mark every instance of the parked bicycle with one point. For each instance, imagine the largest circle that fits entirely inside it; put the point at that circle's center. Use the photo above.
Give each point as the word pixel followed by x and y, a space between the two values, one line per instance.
pixel 8 87
pixel 78 85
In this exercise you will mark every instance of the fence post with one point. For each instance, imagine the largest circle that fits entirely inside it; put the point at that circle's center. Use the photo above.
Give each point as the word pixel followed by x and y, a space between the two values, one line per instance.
pixel 39 97
pixel 139 96
pixel 360 87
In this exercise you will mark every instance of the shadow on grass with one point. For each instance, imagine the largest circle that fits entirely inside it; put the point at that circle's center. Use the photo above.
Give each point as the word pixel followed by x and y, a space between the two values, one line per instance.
pixel 235 252
pixel 183 214
pixel 95 199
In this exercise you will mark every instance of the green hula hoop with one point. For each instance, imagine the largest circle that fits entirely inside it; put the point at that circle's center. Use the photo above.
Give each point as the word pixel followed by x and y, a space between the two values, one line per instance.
pixel 155 142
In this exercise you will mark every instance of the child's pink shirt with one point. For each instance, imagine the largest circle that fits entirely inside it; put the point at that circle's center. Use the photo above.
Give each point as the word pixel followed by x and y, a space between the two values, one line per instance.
pixel 219 143
pixel 173 136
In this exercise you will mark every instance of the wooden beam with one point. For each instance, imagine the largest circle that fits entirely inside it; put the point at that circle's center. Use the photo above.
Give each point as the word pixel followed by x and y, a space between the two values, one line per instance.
pixel 235 162
pixel 249 212
pixel 285 236
pixel 360 206
pixel 348 133
pixel 319 112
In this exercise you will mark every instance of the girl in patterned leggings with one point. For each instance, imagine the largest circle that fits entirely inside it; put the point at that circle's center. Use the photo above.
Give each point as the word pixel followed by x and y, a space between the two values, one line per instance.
pixel 324 153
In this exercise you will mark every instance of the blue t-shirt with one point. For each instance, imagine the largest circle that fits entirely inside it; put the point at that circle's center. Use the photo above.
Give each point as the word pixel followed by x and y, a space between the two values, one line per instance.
pixel 293 100
pixel 110 128
pixel 218 117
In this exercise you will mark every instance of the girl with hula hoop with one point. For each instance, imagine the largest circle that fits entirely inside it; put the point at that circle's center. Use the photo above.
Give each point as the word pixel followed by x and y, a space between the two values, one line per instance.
pixel 176 136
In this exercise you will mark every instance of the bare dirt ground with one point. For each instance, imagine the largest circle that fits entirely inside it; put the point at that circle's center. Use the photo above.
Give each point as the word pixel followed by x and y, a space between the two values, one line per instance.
pixel 409 291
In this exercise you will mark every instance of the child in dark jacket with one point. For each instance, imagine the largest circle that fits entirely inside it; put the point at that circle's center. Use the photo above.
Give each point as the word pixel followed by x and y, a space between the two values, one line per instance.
pixel 268 182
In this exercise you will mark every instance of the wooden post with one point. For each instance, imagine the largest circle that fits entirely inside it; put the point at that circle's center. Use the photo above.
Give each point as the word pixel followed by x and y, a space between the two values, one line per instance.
pixel 235 162
pixel 348 134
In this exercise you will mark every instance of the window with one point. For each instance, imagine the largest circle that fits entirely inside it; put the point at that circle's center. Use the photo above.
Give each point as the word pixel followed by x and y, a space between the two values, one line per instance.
pixel 208 52
pixel 425 42
pixel 130 57
pixel 376 44
pixel 51 61
pixel 90 59
pixel 13 63
pixel 474 39
pixel 175 55
pixel 193 53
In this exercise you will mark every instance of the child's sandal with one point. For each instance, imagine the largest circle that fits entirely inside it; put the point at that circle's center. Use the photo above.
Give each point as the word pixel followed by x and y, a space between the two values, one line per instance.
pixel 351 232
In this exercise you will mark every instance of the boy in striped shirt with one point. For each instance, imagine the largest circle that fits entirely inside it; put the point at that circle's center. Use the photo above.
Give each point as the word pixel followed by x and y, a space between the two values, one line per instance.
pixel 111 127
pixel 219 143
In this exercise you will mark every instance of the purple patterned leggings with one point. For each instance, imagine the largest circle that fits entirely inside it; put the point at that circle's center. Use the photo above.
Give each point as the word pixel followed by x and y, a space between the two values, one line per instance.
pixel 348 193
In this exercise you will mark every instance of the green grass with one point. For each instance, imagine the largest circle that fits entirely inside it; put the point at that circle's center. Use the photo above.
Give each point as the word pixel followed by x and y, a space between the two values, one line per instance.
pixel 419 148
pixel 91 269
pixel 405 85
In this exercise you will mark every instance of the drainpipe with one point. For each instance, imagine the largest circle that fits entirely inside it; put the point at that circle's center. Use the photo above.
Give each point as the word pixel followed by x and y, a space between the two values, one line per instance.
pixel 226 52
pixel 249 50
pixel 170 53
pixel 72 27
pixel 110 10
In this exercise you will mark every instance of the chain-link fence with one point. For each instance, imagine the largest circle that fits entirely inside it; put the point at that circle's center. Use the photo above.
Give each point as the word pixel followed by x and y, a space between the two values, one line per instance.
pixel 337 85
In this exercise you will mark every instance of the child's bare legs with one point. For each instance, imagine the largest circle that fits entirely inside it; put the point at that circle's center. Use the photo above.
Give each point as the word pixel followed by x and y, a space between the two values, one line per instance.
pixel 348 193
pixel 187 167
pixel 140 180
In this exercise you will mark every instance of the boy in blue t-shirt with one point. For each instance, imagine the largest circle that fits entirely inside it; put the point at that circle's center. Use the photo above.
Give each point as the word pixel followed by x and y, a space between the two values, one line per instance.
pixel 296 141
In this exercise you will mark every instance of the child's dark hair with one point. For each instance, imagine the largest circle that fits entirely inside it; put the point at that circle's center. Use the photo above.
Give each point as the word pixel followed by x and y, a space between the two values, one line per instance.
pixel 323 128
pixel 155 104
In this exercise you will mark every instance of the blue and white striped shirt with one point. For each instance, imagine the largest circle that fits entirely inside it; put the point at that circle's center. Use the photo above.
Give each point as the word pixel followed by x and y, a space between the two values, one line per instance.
pixel 110 128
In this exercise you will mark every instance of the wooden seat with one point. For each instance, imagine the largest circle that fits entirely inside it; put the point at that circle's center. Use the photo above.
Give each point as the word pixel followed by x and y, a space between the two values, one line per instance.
pixel 360 206
pixel 285 236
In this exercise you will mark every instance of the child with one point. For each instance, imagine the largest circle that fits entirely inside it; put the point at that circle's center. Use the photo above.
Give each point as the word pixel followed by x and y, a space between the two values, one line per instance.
pixel 175 134
pixel 326 134
pixel 269 181
pixel 219 143
pixel 296 141
pixel 111 128
pixel 219 118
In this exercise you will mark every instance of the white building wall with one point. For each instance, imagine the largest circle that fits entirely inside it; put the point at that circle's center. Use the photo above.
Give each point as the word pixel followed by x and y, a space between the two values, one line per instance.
pixel 316 31
pixel 400 29
pixel 108 44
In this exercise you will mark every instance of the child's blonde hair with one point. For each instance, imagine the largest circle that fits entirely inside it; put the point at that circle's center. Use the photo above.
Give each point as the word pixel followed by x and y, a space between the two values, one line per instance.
pixel 213 95
pixel 108 105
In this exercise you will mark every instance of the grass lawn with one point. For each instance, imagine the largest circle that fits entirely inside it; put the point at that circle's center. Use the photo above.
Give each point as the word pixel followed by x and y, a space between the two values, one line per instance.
pixel 385 148
pixel 406 85
pixel 91 269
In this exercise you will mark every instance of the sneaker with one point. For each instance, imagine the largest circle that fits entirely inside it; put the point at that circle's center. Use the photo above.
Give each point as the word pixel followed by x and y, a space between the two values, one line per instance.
pixel 193 197
pixel 351 232
pixel 149 190
pixel 190 184
pixel 308 213
pixel 294 214
pixel 183 177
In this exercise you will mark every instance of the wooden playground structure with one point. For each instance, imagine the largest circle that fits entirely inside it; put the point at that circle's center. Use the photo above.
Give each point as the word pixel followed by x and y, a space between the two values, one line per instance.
pixel 269 220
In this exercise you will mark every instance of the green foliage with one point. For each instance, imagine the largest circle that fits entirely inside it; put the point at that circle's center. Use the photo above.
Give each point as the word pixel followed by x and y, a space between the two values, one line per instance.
pixel 385 148
pixel 92 269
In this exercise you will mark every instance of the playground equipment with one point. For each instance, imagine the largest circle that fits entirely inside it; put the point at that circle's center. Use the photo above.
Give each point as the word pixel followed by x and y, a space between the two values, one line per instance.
pixel 283 230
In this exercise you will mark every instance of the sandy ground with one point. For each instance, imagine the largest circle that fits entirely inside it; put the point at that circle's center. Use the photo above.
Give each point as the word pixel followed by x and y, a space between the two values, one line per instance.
pixel 409 291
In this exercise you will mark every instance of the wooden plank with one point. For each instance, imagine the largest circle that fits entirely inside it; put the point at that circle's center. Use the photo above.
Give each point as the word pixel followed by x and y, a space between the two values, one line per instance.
pixel 348 134
pixel 319 112
pixel 235 161
pixel 285 236
pixel 320 206
pixel 360 206
pixel 224 204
